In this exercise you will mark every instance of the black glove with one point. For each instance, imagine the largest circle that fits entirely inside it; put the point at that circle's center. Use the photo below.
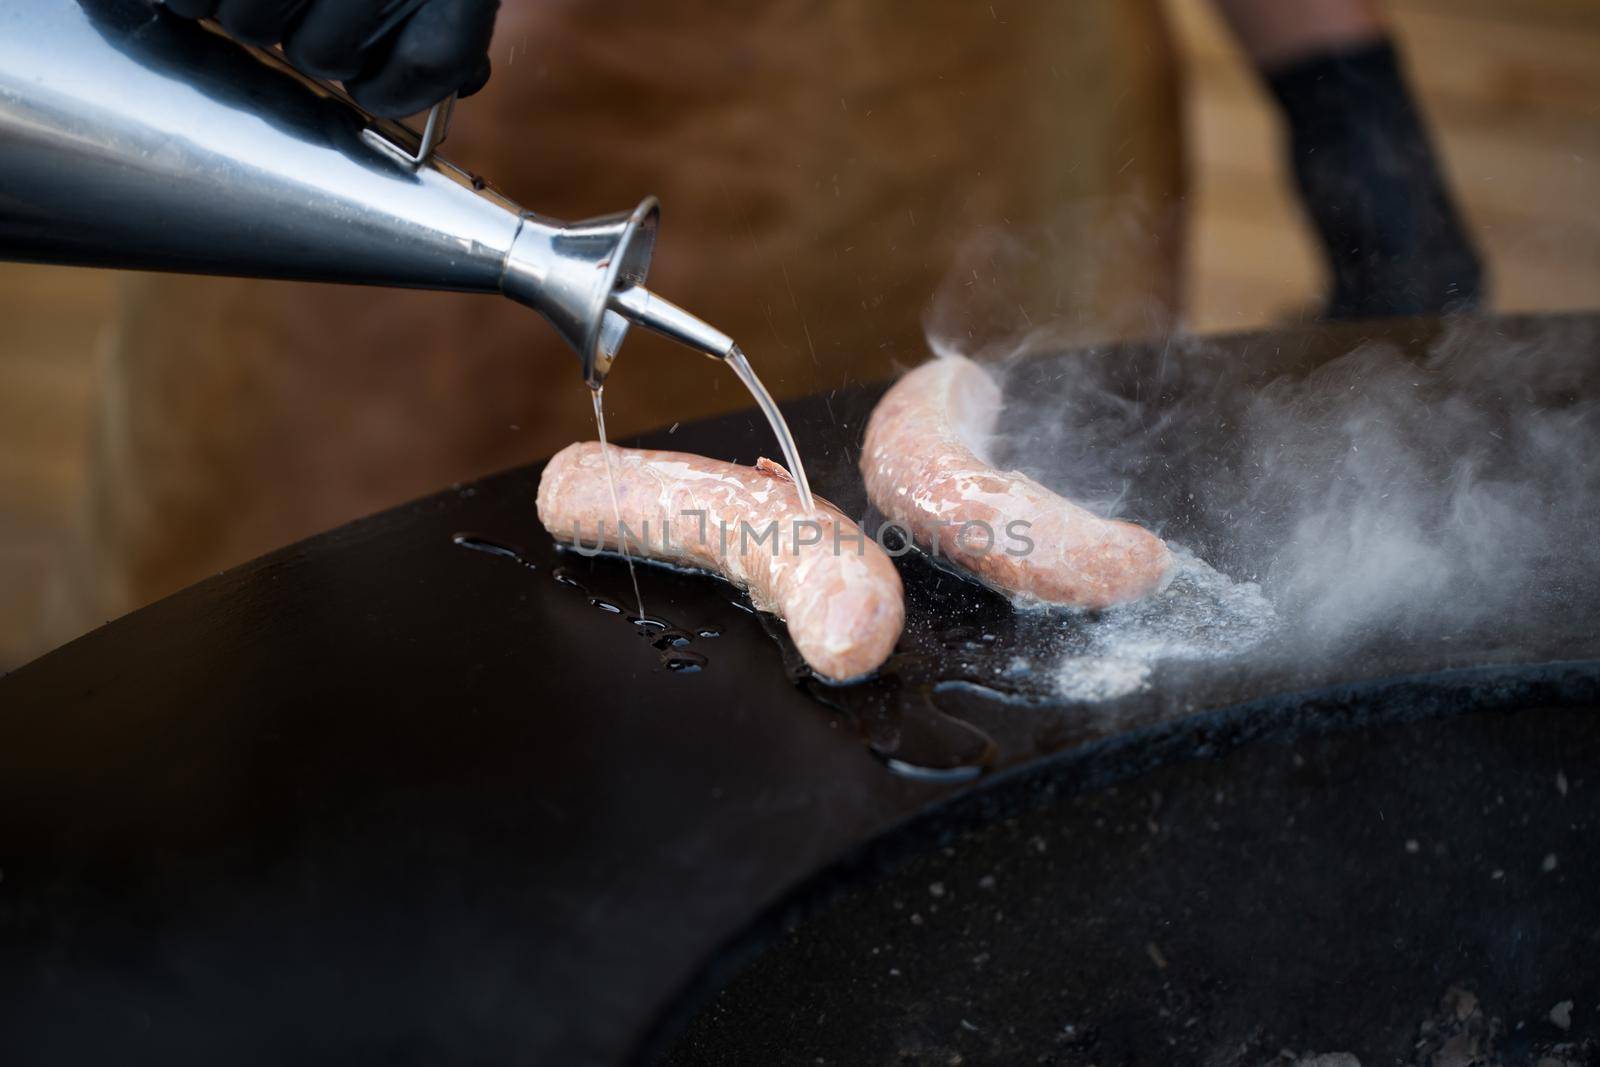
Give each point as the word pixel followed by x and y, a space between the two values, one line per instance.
pixel 395 61
pixel 1369 180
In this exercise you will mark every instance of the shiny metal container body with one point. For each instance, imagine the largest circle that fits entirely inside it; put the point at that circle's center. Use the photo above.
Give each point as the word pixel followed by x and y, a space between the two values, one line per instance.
pixel 132 138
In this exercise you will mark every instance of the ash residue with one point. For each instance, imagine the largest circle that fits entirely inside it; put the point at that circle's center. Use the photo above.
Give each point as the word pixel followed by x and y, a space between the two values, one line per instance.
pixel 1460 1033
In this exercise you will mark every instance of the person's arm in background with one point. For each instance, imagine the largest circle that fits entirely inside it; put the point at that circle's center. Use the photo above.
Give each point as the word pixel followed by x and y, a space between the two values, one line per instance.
pixel 1366 171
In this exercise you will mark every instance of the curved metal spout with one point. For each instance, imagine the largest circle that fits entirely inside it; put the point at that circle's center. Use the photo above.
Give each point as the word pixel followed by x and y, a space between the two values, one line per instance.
pixel 661 315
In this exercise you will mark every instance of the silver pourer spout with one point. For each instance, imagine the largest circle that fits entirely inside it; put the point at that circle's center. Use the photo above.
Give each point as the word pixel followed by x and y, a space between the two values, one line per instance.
pixel 135 139
pixel 641 306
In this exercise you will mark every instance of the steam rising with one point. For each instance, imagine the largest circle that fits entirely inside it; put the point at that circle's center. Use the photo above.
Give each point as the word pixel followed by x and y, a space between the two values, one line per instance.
pixel 1379 495
pixel 1442 493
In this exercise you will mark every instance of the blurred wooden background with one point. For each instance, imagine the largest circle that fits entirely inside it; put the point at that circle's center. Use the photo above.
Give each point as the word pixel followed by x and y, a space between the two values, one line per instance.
pixel 1512 88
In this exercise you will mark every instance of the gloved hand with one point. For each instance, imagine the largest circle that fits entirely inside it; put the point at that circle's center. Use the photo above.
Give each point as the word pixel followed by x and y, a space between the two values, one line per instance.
pixel 1368 178
pixel 395 57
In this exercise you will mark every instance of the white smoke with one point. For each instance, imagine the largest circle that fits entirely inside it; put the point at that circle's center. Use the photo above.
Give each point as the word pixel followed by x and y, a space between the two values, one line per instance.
pixel 1387 490
pixel 1382 490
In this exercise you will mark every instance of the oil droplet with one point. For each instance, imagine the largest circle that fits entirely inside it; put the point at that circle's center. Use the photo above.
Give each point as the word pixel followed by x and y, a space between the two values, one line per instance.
pixel 672 642
pixel 894 713
pixel 474 543
pixel 914 739
pixel 672 639
pixel 683 662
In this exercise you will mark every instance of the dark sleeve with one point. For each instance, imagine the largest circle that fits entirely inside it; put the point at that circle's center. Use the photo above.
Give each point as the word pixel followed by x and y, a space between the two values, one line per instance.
pixel 1372 185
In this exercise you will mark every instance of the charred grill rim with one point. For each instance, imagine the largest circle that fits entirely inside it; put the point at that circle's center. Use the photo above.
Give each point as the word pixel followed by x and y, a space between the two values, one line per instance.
pixel 1276 720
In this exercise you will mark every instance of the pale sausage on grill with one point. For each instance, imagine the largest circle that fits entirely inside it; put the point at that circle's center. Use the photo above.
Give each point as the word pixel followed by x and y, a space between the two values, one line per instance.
pixel 837 590
pixel 922 472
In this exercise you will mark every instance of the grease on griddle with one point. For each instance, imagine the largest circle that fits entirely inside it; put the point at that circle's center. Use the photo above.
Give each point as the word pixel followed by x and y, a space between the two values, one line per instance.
pixel 916 714
pixel 671 642
pixel 894 711
pixel 474 543
pixel 903 712
pixel 683 662
pixel 944 707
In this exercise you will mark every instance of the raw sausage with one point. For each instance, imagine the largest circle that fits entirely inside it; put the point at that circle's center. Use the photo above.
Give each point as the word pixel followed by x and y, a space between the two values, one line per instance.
pixel 835 587
pixel 922 472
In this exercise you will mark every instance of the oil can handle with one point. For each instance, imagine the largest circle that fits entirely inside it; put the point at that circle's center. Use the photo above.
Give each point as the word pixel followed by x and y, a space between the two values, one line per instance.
pixel 434 128
pixel 437 124
pixel 433 133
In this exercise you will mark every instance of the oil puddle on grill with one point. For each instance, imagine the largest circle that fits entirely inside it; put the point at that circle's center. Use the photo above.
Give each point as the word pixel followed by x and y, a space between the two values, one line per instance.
pixel 474 543
pixel 672 643
pixel 976 682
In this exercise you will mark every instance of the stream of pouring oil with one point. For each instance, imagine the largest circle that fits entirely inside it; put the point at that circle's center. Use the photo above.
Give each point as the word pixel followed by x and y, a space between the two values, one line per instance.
pixel 780 430
pixel 780 427
pixel 611 484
